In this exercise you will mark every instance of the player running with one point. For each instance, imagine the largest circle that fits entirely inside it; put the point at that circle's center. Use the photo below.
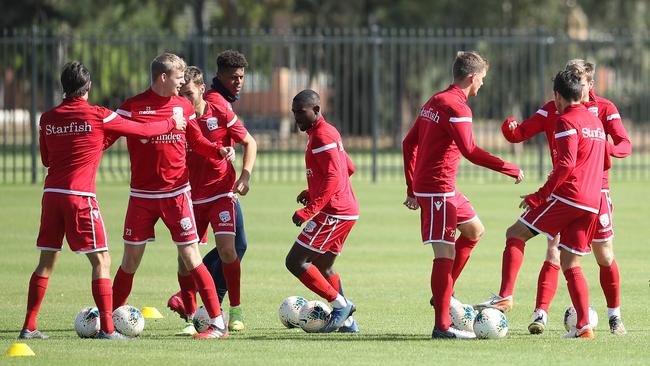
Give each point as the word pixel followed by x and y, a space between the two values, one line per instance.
pixel 213 196
pixel 602 243
pixel 567 204
pixel 71 139
pixel 332 207
pixel 160 186
pixel 432 150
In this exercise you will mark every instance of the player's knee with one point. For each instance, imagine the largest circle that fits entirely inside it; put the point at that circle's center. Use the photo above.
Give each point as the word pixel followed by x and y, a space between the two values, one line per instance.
pixel 604 256
pixel 553 255
pixel 517 231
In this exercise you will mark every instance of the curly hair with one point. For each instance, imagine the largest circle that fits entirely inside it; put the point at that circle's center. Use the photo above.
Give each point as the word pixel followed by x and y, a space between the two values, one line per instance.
pixel 231 59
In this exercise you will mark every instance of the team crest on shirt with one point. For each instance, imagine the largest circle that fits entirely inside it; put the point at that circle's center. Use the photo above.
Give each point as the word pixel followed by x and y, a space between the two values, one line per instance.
pixel 212 123
pixel 593 110
pixel 604 220
pixel 310 226
pixel 186 223
pixel 224 216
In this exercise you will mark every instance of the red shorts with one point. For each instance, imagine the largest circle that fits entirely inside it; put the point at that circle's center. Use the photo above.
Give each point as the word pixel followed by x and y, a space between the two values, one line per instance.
pixel 325 233
pixel 176 212
pixel 219 212
pixel 440 213
pixel 76 217
pixel 604 227
pixel 576 226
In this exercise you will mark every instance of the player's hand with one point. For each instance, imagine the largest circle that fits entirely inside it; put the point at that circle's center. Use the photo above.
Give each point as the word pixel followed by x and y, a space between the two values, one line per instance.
pixel 297 220
pixel 512 123
pixel 523 204
pixel 303 198
pixel 181 122
pixel 411 203
pixel 520 177
pixel 228 153
pixel 241 185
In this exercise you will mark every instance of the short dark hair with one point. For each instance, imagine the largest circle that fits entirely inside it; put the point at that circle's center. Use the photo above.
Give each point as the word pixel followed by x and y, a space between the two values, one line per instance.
pixel 75 79
pixel 307 97
pixel 194 75
pixel 467 63
pixel 569 85
pixel 231 59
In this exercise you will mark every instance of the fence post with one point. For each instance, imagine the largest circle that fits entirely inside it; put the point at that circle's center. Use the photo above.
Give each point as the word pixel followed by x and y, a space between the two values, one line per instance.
pixel 543 43
pixel 374 114
pixel 32 114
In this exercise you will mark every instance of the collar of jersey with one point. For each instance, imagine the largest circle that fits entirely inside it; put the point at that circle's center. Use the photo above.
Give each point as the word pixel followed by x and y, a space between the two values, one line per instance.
pixel 458 91
pixel 318 122
pixel 218 86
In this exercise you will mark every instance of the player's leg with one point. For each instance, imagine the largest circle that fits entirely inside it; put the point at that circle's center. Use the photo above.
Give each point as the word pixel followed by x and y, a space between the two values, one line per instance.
pixel 546 286
pixel 579 293
pixel 37 288
pixel 101 288
pixel 325 264
pixel 610 283
pixel 470 227
pixel 232 273
pixel 123 281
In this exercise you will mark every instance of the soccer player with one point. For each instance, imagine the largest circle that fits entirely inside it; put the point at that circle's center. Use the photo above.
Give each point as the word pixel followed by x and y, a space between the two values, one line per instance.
pixel 544 120
pixel 160 186
pixel 213 196
pixel 331 210
pixel 432 150
pixel 567 204
pixel 71 141
pixel 225 89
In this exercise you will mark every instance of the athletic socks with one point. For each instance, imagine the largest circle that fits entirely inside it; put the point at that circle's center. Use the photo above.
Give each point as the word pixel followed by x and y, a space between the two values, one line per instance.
pixel 610 282
pixel 232 274
pixel 205 286
pixel 187 293
pixel 35 294
pixel 579 292
pixel 546 285
pixel 464 248
pixel 442 286
pixel 335 281
pixel 103 295
pixel 513 256
pixel 122 285
pixel 314 280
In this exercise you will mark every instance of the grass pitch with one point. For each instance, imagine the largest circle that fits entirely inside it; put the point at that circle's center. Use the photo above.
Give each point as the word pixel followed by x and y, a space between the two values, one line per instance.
pixel 385 271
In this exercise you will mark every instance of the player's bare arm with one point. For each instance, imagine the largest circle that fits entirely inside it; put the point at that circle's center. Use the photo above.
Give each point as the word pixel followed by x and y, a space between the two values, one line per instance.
pixel 250 154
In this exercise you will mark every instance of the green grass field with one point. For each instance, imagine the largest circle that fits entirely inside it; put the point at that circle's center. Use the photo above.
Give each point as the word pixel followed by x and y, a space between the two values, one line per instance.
pixel 385 271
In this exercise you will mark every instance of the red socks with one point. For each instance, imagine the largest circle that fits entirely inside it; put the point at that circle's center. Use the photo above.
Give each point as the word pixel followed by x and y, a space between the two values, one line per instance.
pixel 546 285
pixel 464 248
pixel 335 281
pixel 103 295
pixel 314 280
pixel 205 286
pixel 232 274
pixel 187 293
pixel 513 256
pixel 610 281
pixel 35 294
pixel 442 286
pixel 122 285
pixel 579 292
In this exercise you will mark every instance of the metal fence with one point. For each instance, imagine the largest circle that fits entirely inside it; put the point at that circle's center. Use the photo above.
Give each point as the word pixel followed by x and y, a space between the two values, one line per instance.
pixel 372 83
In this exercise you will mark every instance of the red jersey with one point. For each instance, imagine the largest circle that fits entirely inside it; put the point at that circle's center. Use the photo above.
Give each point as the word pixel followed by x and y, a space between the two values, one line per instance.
pixel 214 97
pixel 328 175
pixel 158 166
pixel 543 120
pixel 210 177
pixel 576 178
pixel 433 147
pixel 71 141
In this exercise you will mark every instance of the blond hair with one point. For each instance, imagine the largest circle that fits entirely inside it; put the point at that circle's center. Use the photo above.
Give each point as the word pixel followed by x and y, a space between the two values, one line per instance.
pixel 467 63
pixel 194 75
pixel 165 64
pixel 587 67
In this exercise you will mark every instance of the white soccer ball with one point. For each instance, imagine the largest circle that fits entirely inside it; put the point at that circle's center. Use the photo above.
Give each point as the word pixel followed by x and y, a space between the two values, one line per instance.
pixel 128 320
pixel 86 324
pixel 313 316
pixel 490 324
pixel 290 309
pixel 462 316
pixel 201 319
pixel 571 318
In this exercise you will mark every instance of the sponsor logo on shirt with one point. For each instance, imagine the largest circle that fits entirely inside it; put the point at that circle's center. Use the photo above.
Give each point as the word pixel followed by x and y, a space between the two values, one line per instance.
pixel 212 123
pixel 168 138
pixel 598 133
pixel 147 110
pixel 430 114
pixel 72 128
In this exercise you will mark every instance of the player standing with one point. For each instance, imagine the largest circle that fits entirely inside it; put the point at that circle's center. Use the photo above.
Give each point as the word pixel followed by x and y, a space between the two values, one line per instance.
pixel 160 186
pixel 71 139
pixel 331 206
pixel 602 243
pixel 432 150
pixel 567 204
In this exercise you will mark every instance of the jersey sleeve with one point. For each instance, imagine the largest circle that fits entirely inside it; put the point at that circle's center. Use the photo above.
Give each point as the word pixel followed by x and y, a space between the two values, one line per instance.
pixel 198 142
pixel 526 129
pixel 115 124
pixel 42 145
pixel 460 129
pixel 409 153
pixel 622 147
pixel 350 164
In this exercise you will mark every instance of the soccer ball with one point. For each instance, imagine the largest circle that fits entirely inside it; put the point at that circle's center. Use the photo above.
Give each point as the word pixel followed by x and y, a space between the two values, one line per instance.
pixel 86 324
pixel 462 316
pixel 490 324
pixel 128 320
pixel 201 319
pixel 571 318
pixel 289 310
pixel 313 316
